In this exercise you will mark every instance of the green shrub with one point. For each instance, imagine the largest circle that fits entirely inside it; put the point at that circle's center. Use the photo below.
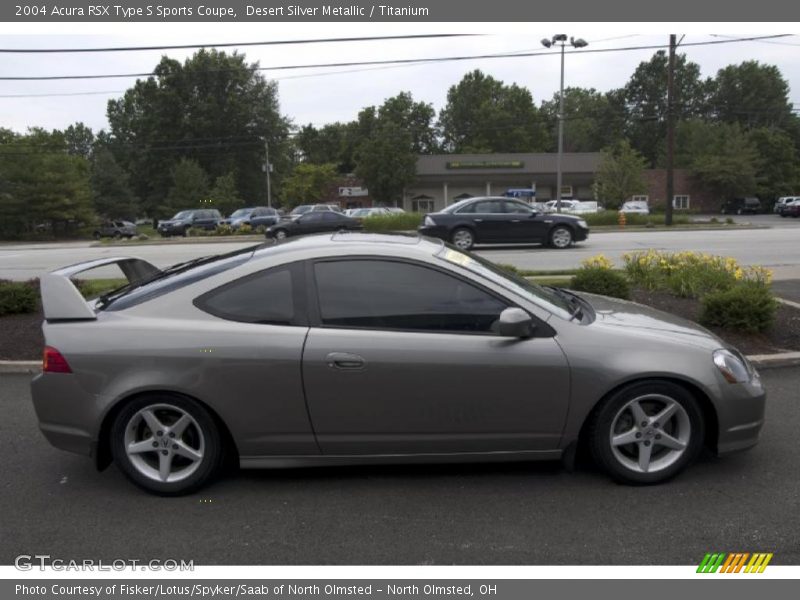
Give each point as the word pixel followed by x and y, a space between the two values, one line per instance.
pixel 142 237
pixel 746 307
pixel 611 217
pixel 225 229
pixel 511 269
pixel 92 288
pixel 393 222
pixel 18 297
pixel 600 280
pixel 729 221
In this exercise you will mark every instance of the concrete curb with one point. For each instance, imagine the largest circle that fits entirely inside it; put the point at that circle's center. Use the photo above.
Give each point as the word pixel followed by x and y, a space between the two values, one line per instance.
pixel 179 241
pixel 30 367
pixel 762 361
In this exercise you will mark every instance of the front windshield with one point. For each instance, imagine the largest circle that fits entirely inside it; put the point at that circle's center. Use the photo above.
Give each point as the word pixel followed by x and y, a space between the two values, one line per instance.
pixel 542 296
pixel 183 214
pixel 242 212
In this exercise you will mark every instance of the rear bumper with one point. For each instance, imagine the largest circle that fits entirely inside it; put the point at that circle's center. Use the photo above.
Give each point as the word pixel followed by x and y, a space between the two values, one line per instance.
pixel 67 415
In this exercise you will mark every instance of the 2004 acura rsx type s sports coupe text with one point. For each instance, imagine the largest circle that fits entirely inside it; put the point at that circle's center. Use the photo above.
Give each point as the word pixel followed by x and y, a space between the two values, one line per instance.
pixel 360 348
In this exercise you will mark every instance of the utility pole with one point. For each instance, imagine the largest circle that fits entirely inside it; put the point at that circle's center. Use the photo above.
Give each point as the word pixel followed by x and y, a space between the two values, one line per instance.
pixel 560 134
pixel 670 130
pixel 268 168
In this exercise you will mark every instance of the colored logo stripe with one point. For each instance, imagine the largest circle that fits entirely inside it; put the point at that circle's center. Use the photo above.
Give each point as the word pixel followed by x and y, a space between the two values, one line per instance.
pixel 734 562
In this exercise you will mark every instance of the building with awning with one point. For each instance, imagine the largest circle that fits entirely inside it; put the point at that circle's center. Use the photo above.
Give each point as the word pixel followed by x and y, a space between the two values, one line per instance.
pixel 446 178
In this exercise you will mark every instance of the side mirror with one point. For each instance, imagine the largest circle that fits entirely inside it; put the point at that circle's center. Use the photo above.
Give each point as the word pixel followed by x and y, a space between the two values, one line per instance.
pixel 515 322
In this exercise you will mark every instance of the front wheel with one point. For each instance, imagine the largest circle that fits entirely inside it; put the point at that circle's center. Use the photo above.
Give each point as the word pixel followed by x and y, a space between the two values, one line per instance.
pixel 168 445
pixel 281 234
pixel 561 237
pixel 647 432
pixel 463 238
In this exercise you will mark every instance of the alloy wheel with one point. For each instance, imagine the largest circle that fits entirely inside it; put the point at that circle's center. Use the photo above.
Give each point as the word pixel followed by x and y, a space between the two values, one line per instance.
pixel 164 443
pixel 463 239
pixel 561 237
pixel 650 433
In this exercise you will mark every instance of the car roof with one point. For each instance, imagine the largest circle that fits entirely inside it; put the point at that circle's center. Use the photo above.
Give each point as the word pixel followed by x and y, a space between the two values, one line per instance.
pixel 351 243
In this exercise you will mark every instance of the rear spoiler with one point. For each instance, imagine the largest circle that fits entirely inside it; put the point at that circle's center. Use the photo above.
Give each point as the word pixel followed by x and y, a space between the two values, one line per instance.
pixel 61 299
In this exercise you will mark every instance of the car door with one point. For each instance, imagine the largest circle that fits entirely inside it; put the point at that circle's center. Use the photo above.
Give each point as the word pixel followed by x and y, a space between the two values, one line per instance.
pixel 311 222
pixel 401 358
pixel 524 223
pixel 488 220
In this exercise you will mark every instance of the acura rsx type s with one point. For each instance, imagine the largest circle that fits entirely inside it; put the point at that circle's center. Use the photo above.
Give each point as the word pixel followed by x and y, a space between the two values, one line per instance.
pixel 361 348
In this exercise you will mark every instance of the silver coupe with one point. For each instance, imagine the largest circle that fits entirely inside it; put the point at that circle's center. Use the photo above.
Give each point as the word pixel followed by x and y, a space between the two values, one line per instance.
pixel 354 348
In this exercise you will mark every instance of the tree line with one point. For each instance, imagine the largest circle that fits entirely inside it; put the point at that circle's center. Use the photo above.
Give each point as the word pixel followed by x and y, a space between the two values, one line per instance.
pixel 197 132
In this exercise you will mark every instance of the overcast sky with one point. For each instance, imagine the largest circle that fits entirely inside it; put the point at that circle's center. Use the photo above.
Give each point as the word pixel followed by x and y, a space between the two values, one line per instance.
pixel 321 96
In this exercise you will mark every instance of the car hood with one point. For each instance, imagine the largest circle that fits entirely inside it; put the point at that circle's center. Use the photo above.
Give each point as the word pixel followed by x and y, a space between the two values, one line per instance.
pixel 612 312
pixel 171 222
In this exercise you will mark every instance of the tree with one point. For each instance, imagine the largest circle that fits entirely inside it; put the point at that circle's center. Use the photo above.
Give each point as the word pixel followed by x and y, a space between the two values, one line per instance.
pixel 415 117
pixel 719 156
pixel 386 162
pixel 213 108
pixel 111 191
pixel 620 174
pixel 79 139
pixel 334 143
pixel 308 183
pixel 645 99
pixel 189 187
pixel 484 115
pixel 223 196
pixel 777 163
pixel 40 183
pixel 751 94
pixel 592 120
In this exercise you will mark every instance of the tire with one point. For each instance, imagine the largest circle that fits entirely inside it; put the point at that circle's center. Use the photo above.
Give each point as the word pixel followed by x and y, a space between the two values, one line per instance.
pixel 199 454
pixel 463 238
pixel 561 237
pixel 624 462
pixel 280 234
pixel 96 235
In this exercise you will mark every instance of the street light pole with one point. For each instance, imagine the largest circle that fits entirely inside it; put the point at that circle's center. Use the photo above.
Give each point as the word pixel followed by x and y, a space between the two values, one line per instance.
pixel 268 168
pixel 561 39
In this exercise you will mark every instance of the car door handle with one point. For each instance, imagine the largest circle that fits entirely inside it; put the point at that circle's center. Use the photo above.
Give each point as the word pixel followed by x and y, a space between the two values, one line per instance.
pixel 344 360
pixel 515 220
pixel 478 220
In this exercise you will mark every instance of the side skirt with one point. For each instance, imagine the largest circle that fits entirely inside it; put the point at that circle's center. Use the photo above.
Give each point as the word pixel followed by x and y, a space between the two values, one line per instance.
pixel 290 462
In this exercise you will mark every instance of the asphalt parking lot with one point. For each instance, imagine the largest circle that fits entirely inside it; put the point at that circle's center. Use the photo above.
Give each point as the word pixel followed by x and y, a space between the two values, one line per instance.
pixel 56 503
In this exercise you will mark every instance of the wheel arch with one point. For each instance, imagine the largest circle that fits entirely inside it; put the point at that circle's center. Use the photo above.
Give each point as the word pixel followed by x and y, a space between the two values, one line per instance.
pixel 461 225
pixel 103 450
pixel 710 420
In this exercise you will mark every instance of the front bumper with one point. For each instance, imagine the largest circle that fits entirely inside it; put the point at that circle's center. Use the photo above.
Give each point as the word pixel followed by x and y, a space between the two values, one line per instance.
pixel 740 416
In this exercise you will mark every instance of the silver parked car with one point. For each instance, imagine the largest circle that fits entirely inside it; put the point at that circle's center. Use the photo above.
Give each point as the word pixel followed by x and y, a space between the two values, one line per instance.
pixel 361 348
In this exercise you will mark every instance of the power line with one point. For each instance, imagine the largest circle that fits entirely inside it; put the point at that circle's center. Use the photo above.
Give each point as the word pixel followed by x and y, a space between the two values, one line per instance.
pixel 407 60
pixel 236 44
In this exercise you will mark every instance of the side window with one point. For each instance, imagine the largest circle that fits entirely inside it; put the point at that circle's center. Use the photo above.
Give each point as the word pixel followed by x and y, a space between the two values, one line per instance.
pixel 517 208
pixel 376 294
pixel 266 297
pixel 311 217
pixel 330 216
pixel 489 207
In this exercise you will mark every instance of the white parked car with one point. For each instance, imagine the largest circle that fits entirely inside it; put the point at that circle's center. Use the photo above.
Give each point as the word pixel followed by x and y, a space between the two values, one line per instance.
pixel 636 207
pixel 781 203
pixel 375 211
pixel 573 207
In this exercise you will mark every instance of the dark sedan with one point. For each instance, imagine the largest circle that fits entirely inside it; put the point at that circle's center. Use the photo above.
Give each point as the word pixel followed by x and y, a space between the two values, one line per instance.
pixel 501 221
pixel 312 222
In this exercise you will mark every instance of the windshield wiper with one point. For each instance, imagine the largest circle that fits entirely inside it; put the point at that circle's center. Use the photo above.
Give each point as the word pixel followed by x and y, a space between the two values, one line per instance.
pixel 576 308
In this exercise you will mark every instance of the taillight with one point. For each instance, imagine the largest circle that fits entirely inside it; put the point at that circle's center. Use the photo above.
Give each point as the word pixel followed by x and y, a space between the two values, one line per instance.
pixel 54 361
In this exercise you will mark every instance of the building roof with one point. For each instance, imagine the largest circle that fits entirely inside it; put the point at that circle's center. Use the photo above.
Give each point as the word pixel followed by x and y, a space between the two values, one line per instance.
pixel 505 164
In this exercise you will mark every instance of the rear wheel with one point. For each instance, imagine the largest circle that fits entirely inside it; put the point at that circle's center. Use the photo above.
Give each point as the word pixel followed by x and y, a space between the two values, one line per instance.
pixel 561 237
pixel 281 234
pixel 647 432
pixel 168 445
pixel 463 238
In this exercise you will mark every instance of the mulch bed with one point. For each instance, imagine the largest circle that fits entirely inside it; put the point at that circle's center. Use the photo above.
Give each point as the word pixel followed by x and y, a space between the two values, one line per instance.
pixel 21 335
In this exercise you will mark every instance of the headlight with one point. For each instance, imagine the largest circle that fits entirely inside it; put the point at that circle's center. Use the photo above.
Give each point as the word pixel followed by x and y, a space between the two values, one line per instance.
pixel 429 222
pixel 733 368
pixel 582 223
